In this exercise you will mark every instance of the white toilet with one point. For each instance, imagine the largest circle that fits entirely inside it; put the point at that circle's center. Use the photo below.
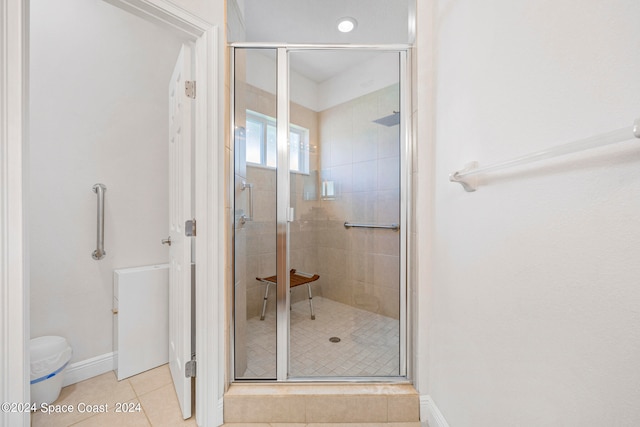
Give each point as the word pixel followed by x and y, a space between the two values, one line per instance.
pixel 50 355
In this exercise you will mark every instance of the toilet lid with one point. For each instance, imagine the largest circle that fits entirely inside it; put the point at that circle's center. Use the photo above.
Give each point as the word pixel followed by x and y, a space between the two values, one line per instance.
pixel 48 353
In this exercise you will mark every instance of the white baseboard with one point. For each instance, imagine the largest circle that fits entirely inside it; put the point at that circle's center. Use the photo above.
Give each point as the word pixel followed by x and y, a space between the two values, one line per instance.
pixel 220 412
pixel 89 368
pixel 430 413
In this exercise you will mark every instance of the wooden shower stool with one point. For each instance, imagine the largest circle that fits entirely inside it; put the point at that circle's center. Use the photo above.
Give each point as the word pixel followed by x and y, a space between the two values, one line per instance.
pixel 296 279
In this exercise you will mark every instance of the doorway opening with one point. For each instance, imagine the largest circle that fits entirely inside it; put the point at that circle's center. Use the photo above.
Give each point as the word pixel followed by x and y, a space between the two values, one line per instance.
pixel 209 72
pixel 103 117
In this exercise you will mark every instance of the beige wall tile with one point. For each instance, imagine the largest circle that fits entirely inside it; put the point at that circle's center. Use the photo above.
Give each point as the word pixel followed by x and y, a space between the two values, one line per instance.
pixel 386 242
pixel 332 409
pixel 386 269
pixel 365 175
pixel 365 298
pixel 365 206
pixel 389 300
pixel 264 408
pixel 404 408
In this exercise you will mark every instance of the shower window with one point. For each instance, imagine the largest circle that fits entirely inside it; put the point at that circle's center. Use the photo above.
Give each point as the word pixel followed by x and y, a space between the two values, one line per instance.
pixel 261 143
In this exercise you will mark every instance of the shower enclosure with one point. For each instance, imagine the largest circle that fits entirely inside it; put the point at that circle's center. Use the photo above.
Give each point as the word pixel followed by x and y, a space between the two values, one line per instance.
pixel 320 206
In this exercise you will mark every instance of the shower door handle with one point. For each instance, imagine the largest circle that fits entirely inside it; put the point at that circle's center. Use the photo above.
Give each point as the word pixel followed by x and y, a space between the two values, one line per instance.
pixel 246 185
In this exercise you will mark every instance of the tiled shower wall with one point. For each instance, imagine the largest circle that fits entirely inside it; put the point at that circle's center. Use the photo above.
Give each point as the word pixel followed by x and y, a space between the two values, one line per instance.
pixel 259 236
pixel 361 266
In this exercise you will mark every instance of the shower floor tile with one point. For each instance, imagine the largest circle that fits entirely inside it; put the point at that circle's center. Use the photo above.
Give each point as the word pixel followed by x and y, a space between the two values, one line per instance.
pixel 369 343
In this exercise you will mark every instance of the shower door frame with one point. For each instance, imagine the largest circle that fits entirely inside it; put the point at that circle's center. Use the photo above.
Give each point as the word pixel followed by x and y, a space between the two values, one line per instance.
pixel 283 205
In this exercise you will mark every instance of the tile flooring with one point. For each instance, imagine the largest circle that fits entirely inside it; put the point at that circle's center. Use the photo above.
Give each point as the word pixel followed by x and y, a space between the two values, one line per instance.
pixel 158 405
pixel 153 390
pixel 369 343
pixel 369 346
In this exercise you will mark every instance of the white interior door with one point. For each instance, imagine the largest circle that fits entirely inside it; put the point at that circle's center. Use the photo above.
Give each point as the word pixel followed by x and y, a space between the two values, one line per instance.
pixel 180 142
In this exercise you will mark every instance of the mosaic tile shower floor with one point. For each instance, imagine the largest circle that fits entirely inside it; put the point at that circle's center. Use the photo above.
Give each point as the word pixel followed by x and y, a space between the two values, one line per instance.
pixel 369 343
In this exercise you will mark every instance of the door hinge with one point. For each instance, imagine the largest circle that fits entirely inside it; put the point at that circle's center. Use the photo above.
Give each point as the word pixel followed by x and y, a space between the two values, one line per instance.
pixel 190 369
pixel 190 228
pixel 190 88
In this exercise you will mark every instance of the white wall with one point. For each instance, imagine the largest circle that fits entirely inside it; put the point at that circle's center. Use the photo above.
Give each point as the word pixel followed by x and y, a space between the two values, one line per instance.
pixel 535 290
pixel 99 113
pixel 261 73
pixel 358 80
pixel 208 10
pixel 373 74
pixel 235 30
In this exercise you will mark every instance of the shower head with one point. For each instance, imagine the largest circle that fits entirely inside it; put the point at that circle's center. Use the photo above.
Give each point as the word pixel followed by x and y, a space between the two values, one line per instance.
pixel 390 120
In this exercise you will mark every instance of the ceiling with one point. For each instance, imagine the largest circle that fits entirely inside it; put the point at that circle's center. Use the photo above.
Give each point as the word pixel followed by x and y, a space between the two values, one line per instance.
pixel 320 66
pixel 315 22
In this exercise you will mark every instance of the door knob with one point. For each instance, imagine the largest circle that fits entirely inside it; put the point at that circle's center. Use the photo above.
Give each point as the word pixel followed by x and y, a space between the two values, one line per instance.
pixel 167 241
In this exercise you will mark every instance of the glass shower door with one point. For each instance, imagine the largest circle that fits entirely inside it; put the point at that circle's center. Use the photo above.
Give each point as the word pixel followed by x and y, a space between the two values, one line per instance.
pixel 255 225
pixel 345 165
pixel 319 288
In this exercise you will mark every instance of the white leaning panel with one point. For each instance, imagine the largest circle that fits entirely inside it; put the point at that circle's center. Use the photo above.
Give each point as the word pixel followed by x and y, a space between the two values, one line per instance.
pixel 141 319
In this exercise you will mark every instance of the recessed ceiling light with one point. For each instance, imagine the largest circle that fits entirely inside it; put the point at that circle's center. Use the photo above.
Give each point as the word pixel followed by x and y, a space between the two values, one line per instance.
pixel 347 24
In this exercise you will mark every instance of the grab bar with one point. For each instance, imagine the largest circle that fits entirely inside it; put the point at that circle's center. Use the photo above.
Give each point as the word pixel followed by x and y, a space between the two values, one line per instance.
pixel 395 227
pixel 243 217
pixel 467 176
pixel 99 253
